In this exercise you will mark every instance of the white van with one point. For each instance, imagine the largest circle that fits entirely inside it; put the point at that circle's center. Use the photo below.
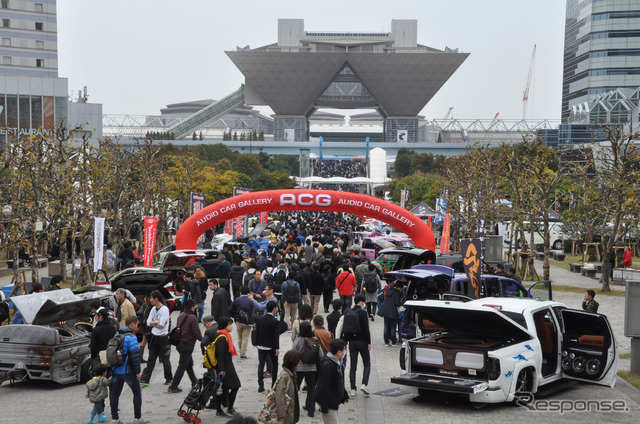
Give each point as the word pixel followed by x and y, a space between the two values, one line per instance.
pixel 556 239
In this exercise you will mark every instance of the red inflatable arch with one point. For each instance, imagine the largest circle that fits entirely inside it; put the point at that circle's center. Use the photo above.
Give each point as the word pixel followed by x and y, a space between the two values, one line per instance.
pixel 313 200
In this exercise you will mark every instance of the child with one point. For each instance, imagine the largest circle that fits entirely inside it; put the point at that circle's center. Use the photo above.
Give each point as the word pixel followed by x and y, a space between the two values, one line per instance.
pixel 97 391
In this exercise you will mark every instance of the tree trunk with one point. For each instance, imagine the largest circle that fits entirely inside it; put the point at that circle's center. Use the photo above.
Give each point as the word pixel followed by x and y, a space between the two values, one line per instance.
pixel 35 265
pixel 63 259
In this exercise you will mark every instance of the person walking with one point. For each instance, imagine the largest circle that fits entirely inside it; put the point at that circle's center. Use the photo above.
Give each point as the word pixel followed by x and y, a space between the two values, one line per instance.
pixel 330 391
pixel 627 257
pixel 316 287
pixel 286 390
pixel 235 276
pixel 371 286
pixel 219 301
pixel 322 334
pixel 125 308
pixel 225 351
pixel 159 346
pixel 389 312
pixel 346 285
pixel 305 315
pixel 210 334
pixel 241 310
pixel 101 334
pixel 268 343
pixel 97 392
pixel 310 355
pixel 189 334
pixel 128 372
pixel 292 299
pixel 328 286
pixel 355 330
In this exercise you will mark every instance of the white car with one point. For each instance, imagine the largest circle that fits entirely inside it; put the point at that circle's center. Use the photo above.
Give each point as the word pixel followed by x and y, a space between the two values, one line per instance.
pixel 505 349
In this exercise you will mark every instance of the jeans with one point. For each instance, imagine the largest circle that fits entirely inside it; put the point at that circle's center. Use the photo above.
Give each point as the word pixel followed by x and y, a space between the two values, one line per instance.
pixel 347 303
pixel 159 347
pixel 263 355
pixel 390 325
pixel 201 309
pixel 355 347
pixel 185 363
pixel 244 331
pixel 116 390
pixel 98 408
pixel 310 378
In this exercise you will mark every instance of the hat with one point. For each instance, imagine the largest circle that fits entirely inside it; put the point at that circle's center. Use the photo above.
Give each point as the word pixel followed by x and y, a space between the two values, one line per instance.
pixel 245 253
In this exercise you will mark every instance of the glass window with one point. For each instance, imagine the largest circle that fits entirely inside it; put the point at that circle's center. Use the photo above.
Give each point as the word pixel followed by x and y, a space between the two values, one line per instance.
pixel 6 23
pixel 23 112
pixel 61 110
pixel 38 7
pixel 39 63
pixel 39 26
pixel 12 111
pixel 6 41
pixel 36 111
pixel 39 45
pixel 4 4
pixel 6 60
pixel 3 111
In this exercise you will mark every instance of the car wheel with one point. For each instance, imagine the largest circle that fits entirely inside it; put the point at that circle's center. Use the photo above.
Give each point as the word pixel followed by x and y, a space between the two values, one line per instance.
pixel 558 245
pixel 524 385
pixel 86 369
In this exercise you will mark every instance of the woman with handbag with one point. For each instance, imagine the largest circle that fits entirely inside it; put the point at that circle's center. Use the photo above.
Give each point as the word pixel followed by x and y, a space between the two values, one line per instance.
pixel 225 351
pixel 189 333
pixel 286 390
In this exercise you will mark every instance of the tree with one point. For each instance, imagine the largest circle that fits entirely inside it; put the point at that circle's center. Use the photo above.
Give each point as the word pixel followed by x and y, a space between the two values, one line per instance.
pixel 249 165
pixel 193 136
pixel 403 162
pixel 200 136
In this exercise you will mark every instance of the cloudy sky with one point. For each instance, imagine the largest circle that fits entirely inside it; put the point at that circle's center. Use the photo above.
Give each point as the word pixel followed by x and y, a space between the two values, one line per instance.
pixel 137 56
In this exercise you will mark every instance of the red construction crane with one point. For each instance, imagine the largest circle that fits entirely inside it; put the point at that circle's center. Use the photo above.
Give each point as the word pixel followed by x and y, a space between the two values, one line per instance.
pixel 525 93
pixel 448 113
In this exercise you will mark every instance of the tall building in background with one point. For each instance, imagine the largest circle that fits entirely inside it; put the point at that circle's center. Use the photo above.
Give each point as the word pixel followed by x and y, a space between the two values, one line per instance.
pixel 33 100
pixel 601 51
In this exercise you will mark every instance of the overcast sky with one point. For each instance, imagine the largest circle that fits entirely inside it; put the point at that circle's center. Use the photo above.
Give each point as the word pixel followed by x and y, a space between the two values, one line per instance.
pixel 135 57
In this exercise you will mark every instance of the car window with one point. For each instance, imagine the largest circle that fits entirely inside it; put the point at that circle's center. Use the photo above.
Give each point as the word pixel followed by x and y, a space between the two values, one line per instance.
pixel 519 318
pixel 557 312
pixel 512 289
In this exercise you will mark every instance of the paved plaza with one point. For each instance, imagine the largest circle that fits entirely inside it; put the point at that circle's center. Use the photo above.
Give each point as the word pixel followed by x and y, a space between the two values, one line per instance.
pixel 45 402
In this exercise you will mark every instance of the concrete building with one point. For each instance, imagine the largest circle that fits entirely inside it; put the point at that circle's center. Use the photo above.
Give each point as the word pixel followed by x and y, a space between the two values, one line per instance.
pixel 33 99
pixel 306 70
pixel 601 53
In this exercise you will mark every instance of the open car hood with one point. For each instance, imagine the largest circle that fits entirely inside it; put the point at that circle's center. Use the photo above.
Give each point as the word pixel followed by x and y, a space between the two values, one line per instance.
pixel 179 259
pixel 56 306
pixel 468 318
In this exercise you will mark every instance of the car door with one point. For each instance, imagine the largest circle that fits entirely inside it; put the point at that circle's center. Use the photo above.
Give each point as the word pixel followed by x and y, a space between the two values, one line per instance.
pixel 541 290
pixel 588 348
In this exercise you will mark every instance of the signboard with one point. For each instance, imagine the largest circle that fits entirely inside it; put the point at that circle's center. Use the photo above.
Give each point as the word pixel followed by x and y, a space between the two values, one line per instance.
pixel 472 261
pixel 150 232
pixel 446 233
pixel 98 244
pixel 403 136
pixel 197 203
pixel 289 134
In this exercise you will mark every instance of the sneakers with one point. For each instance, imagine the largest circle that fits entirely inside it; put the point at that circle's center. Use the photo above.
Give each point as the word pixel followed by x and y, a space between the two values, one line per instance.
pixel 352 393
pixel 144 383
pixel 168 382
pixel 243 356
pixel 364 389
pixel 267 374
pixel 140 421
pixel 221 413
pixel 101 418
pixel 231 412
pixel 260 389
pixel 172 389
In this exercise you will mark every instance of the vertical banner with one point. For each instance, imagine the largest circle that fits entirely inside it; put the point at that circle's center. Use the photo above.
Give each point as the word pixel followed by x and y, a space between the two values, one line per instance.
pixel 403 205
pixel 446 232
pixel 264 217
pixel 472 260
pixel 407 194
pixel 366 156
pixel 403 136
pixel 98 244
pixel 228 226
pixel 320 149
pixel 150 232
pixel 198 203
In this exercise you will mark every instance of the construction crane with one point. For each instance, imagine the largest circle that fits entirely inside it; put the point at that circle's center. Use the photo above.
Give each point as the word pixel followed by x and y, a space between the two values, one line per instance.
pixel 495 121
pixel 448 113
pixel 525 93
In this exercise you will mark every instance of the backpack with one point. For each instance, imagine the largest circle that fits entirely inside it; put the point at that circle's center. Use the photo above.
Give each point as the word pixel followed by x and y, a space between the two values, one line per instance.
pixel 291 295
pixel 309 353
pixel 279 278
pixel 210 360
pixel 267 277
pixel 115 350
pixel 370 283
pixel 351 325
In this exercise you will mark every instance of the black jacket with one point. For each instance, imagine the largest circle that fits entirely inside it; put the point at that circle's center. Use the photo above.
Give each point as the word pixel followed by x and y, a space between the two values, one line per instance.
pixel 365 335
pixel 220 304
pixel 100 336
pixel 193 287
pixel 391 303
pixel 317 283
pixel 332 322
pixel 237 272
pixel 268 332
pixel 330 392
pixel 225 363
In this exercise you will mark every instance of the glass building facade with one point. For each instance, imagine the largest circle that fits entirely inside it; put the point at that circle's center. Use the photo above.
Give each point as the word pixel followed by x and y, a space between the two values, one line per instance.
pixel 601 51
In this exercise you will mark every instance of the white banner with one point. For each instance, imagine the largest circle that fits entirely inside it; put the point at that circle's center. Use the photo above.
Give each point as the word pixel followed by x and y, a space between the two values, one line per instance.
pixel 403 136
pixel 289 134
pixel 98 251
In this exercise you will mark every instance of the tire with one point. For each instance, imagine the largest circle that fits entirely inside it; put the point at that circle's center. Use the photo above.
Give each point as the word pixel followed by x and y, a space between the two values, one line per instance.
pixel 524 385
pixel 86 370
pixel 558 245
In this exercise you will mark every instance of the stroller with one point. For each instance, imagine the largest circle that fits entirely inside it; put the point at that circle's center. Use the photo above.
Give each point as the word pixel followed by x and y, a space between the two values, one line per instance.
pixel 198 396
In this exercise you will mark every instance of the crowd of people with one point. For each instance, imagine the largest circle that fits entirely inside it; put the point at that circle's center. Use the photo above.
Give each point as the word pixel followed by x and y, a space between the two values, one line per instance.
pixel 312 285
pixel 339 168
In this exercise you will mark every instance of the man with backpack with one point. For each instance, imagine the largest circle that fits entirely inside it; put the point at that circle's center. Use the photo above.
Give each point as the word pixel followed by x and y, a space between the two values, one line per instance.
pixel 355 330
pixel 292 299
pixel 371 286
pixel 127 372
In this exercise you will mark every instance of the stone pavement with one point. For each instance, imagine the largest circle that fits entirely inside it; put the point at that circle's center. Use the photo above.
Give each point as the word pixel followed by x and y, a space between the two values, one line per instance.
pixel 43 402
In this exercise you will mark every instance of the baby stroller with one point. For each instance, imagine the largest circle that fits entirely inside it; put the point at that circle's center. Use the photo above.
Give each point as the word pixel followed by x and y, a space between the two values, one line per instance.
pixel 198 396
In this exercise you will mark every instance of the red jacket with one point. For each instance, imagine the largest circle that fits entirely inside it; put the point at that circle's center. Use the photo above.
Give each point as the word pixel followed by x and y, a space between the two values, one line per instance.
pixel 627 259
pixel 346 283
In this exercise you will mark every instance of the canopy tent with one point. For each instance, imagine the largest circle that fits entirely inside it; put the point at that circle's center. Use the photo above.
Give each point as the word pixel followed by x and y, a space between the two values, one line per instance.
pixel 422 210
